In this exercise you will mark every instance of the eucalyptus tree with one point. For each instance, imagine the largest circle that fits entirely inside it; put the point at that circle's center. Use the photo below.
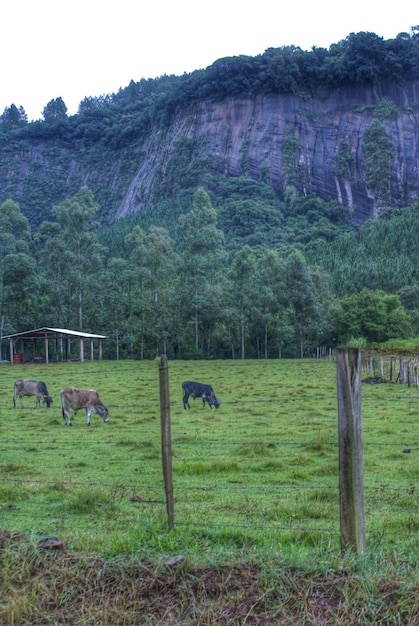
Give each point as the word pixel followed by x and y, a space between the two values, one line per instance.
pixel 204 258
pixel 73 259
pixel 302 298
pixel 154 264
pixel 53 269
pixel 133 288
pixel 329 306
pixel 116 311
pixel 162 265
pixel 243 288
pixel 18 275
pixel 270 299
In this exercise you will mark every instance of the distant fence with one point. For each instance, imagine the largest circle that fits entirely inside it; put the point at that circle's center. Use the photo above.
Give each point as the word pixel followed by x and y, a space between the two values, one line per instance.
pixel 394 369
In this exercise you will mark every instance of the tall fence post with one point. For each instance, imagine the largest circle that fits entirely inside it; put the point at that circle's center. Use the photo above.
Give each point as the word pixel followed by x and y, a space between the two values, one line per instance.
pixel 351 471
pixel 166 440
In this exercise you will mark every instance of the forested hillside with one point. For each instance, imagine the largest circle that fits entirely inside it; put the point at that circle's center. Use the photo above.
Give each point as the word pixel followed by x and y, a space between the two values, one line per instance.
pixel 224 213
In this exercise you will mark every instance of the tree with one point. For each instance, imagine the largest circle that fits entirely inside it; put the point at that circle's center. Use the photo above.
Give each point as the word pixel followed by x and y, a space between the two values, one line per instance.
pixel 13 117
pixel 270 301
pixel 204 255
pixel 18 278
pixel 55 110
pixel 251 221
pixel 118 282
pixel 378 154
pixel 364 55
pixel 73 244
pixel 241 275
pixel 163 266
pixel 373 315
pixel 302 298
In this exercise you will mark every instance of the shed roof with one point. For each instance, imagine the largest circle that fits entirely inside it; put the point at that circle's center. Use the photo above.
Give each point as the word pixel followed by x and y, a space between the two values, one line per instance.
pixel 41 333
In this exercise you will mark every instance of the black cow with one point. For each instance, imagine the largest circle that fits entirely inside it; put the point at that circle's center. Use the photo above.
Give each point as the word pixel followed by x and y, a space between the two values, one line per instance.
pixel 32 388
pixel 199 390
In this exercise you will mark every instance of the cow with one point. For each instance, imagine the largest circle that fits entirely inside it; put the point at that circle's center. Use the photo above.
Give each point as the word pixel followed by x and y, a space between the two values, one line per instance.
pixel 199 390
pixel 76 399
pixel 32 388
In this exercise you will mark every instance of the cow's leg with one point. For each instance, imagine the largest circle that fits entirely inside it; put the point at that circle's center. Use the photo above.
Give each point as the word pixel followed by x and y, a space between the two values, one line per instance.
pixel 38 401
pixel 185 401
pixel 88 413
pixel 20 401
pixel 66 417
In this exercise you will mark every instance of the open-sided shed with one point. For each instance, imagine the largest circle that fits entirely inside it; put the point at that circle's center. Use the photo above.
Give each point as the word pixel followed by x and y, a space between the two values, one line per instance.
pixel 54 342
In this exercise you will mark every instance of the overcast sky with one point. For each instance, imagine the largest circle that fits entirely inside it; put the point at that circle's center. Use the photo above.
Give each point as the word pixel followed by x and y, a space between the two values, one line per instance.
pixel 72 49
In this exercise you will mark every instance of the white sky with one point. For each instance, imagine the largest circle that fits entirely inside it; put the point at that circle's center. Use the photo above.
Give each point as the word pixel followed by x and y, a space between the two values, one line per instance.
pixel 72 49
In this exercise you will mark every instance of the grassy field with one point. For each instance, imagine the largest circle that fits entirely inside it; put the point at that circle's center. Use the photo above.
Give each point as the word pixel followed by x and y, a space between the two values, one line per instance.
pixel 255 482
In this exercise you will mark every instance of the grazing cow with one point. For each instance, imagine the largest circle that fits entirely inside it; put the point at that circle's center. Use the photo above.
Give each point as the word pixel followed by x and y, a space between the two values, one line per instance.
pixel 76 399
pixel 32 388
pixel 199 390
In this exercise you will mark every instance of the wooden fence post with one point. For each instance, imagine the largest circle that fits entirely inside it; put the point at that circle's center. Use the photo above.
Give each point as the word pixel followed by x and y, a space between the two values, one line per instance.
pixel 166 440
pixel 351 472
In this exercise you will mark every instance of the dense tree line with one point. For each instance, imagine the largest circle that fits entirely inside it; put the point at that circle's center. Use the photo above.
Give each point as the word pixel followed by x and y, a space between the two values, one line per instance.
pixel 361 58
pixel 193 297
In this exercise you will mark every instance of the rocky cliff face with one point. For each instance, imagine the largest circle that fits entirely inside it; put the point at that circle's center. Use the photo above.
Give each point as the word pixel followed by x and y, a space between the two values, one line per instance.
pixel 314 145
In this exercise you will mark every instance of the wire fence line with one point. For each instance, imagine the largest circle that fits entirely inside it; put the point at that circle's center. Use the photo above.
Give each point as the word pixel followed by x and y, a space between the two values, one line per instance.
pixel 153 406
pixel 151 500
pixel 382 489
pixel 218 443
pixel 293 526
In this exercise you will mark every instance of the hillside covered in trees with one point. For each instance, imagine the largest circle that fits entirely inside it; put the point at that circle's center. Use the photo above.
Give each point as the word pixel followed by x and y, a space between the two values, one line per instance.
pixel 223 213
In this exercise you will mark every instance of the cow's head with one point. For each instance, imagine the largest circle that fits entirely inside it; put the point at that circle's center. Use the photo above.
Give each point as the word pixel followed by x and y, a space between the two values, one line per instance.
pixel 217 403
pixel 48 400
pixel 103 412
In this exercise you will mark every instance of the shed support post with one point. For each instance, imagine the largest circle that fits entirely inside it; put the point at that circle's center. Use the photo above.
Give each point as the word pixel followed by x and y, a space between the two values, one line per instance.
pixel 46 349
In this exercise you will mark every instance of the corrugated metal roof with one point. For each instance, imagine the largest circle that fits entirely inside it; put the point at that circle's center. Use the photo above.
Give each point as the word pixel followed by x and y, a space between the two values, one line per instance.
pixel 40 333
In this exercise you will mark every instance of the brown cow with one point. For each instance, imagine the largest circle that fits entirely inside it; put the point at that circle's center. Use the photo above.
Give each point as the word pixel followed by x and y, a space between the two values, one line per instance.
pixel 76 399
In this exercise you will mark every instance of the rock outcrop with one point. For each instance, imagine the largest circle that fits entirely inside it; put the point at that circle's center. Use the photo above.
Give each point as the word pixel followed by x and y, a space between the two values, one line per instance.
pixel 287 141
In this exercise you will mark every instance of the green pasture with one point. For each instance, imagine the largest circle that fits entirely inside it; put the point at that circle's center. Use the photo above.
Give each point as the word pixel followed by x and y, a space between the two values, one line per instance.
pixel 258 476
